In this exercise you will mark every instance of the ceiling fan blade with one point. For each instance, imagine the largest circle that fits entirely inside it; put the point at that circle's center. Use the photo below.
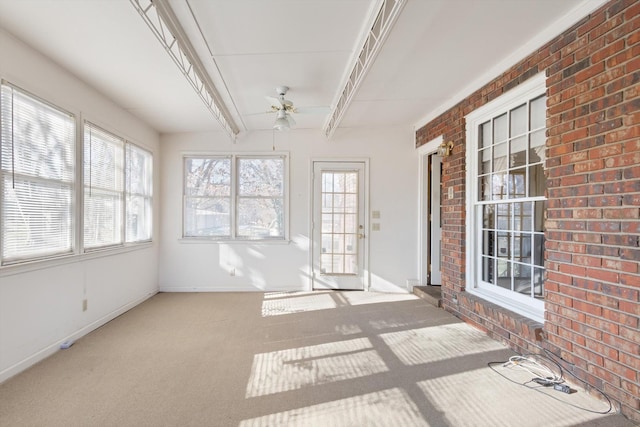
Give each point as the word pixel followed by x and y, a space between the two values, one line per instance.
pixel 313 110
pixel 274 102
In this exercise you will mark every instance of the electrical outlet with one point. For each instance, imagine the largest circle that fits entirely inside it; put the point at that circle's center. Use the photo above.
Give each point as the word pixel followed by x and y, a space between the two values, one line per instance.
pixel 450 193
pixel 84 304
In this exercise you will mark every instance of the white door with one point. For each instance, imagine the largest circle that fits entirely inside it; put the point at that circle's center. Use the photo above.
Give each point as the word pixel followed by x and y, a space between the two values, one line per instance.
pixel 435 220
pixel 338 246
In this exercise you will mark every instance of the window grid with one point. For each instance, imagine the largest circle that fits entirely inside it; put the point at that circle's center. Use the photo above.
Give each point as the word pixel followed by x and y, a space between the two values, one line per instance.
pixel 339 232
pixel 510 198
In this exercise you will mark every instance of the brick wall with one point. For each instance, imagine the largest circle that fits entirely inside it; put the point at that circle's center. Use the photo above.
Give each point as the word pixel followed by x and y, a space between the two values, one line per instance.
pixel 593 217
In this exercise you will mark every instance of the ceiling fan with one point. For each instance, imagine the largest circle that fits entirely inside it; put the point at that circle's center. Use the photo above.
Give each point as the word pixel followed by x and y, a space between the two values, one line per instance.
pixel 283 107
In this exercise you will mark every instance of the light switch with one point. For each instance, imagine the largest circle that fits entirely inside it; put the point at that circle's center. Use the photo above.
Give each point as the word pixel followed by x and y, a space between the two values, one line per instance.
pixel 375 214
pixel 375 226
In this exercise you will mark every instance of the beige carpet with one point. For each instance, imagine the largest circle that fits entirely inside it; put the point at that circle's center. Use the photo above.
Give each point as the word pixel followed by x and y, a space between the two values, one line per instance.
pixel 281 359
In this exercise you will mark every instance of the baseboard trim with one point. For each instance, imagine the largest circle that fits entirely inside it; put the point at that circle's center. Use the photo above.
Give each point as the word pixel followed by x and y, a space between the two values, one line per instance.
pixel 51 349
pixel 227 289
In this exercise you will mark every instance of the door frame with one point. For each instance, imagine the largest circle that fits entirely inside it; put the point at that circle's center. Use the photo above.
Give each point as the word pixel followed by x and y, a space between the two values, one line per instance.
pixel 366 273
pixel 424 239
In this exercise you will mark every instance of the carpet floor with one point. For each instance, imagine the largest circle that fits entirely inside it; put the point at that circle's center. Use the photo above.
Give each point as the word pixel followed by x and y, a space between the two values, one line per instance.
pixel 287 359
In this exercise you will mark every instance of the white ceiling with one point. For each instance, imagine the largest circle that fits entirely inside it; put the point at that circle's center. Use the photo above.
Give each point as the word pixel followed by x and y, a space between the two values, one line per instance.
pixel 437 50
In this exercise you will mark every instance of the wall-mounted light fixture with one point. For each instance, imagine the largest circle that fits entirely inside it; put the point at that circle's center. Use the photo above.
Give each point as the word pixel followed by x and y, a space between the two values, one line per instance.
pixel 445 148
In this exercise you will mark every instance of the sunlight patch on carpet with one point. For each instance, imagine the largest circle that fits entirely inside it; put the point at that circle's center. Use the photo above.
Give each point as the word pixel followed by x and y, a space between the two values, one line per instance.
pixel 478 390
pixel 297 304
pixel 426 345
pixel 392 407
pixel 295 368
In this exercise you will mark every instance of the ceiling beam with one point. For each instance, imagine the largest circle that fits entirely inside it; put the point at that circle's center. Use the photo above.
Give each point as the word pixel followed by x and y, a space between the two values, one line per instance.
pixel 387 15
pixel 162 21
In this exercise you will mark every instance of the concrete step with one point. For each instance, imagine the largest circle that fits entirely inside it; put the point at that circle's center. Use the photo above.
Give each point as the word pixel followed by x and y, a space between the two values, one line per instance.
pixel 432 294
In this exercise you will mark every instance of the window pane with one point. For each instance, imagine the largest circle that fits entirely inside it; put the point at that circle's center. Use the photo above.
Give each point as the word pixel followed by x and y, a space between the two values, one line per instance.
pixel 488 269
pixel 138 226
pixel 517 182
pixel 500 153
pixel 503 217
pixel 500 129
pixel 504 274
pixel 208 177
pixel 537 181
pixel 522 278
pixel 260 218
pixel 37 139
pixel 207 217
pixel 102 218
pixel 261 177
pixel 522 216
pixel 518 121
pixel 538 249
pixel 485 135
pixel 138 189
pixel 485 187
pixel 519 150
pixel 499 186
pixel 538 113
pixel 488 242
pixel 103 187
pixel 36 218
pixel 536 143
pixel 538 283
pixel 485 161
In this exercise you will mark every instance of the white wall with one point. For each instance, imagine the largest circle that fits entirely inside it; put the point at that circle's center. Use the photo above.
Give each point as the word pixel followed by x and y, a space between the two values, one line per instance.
pixel 41 304
pixel 393 164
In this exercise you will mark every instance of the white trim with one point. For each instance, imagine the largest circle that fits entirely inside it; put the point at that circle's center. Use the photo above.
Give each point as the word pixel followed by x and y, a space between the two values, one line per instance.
pixel 233 157
pixel 424 151
pixel 546 35
pixel 239 288
pixel 533 309
pixel 54 347
pixel 366 272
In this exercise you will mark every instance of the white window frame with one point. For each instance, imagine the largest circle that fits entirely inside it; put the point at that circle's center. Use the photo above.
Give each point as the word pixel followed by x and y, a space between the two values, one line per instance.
pixel 235 197
pixel 146 194
pixel 123 239
pixel 526 306
pixel 72 185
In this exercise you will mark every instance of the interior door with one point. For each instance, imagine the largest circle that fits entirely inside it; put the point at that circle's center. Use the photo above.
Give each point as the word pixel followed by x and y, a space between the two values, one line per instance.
pixel 338 246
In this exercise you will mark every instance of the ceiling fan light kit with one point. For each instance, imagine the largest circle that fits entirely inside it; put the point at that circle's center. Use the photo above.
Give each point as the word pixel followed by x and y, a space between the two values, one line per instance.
pixel 283 107
pixel 281 122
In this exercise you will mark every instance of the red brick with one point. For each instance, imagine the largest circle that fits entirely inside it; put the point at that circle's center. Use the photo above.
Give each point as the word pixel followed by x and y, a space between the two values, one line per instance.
pixel 605 151
pixel 621 213
pixel 608 51
pixel 619 265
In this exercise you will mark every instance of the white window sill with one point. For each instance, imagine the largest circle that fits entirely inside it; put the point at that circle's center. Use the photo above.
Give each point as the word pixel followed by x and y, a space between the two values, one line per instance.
pixel 525 310
pixel 209 241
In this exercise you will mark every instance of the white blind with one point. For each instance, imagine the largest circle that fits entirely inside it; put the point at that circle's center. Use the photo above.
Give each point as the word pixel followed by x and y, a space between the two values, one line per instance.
pixel 103 187
pixel 139 186
pixel 37 167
